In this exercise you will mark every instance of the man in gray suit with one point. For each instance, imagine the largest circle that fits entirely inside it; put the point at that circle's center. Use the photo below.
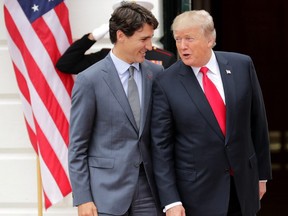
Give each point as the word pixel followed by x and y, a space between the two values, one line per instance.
pixel 109 152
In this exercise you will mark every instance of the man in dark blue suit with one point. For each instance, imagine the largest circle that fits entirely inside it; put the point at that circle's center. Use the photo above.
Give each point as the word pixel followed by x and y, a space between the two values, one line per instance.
pixel 206 165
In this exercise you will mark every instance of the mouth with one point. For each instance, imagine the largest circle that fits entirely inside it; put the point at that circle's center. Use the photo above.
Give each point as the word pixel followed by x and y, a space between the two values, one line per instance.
pixel 185 55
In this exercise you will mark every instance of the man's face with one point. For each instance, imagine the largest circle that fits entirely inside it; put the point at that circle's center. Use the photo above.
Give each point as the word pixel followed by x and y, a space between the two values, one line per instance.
pixel 193 47
pixel 133 49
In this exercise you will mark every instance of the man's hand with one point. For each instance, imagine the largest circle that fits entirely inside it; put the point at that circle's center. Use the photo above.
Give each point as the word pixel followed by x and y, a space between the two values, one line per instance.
pixel 262 189
pixel 176 211
pixel 87 209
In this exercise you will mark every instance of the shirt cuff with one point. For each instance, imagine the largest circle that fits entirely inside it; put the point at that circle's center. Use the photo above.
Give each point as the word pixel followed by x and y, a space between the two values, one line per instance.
pixel 171 205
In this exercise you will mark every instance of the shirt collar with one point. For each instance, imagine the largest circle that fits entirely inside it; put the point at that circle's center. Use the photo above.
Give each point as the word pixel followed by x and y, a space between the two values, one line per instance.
pixel 212 65
pixel 122 66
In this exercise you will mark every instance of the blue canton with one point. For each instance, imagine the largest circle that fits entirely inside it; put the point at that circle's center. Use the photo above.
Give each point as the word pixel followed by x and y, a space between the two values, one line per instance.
pixel 34 9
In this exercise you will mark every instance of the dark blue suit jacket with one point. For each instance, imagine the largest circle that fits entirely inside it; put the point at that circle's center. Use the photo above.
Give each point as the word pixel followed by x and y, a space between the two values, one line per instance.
pixel 191 157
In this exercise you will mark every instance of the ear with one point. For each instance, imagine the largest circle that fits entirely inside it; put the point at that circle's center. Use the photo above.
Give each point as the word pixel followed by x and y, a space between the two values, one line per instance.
pixel 211 42
pixel 120 36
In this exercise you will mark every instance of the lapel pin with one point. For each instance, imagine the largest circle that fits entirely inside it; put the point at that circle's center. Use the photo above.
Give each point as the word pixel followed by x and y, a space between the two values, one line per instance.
pixel 228 71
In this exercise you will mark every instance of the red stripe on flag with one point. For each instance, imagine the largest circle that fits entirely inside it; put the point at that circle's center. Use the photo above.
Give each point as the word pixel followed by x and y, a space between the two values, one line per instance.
pixel 31 75
pixel 39 82
pixel 32 136
pixel 22 84
pixel 52 162
pixel 62 11
pixel 46 200
pixel 48 40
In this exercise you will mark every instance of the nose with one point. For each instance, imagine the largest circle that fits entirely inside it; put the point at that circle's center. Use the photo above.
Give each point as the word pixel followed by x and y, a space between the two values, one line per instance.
pixel 148 45
pixel 183 44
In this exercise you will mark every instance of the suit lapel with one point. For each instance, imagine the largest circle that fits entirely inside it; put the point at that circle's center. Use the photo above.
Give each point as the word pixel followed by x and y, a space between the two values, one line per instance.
pixel 147 76
pixel 226 71
pixel 112 79
pixel 193 88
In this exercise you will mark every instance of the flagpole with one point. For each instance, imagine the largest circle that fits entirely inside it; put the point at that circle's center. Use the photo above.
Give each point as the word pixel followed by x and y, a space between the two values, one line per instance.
pixel 39 188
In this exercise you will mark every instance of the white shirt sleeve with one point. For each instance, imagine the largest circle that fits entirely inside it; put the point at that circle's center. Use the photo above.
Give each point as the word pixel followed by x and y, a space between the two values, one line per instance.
pixel 171 205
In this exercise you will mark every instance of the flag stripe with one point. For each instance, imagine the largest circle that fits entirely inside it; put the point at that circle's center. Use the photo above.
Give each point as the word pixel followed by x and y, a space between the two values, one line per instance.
pixel 62 11
pixel 41 85
pixel 47 38
pixel 49 42
pixel 59 26
pixel 50 186
pixel 46 200
pixel 39 53
pixel 36 39
pixel 22 84
pixel 39 111
pixel 32 136
pixel 25 98
pixel 52 162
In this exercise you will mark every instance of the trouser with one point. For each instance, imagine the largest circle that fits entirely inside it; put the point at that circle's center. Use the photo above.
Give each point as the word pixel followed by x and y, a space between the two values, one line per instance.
pixel 143 203
pixel 234 205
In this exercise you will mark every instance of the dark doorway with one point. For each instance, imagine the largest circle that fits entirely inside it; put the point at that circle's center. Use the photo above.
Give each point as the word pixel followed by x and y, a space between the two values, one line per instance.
pixel 260 29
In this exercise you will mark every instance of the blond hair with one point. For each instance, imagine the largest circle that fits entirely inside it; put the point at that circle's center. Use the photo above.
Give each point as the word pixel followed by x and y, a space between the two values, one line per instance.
pixel 195 18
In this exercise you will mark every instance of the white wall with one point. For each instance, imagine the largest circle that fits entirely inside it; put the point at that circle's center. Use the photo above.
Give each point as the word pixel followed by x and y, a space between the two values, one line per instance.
pixel 85 15
pixel 18 181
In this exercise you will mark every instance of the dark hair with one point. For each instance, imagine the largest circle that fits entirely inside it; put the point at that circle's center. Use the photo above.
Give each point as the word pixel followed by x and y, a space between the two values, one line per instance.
pixel 128 18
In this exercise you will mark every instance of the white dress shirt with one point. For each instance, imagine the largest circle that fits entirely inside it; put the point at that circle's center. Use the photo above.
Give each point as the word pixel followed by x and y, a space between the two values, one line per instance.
pixel 122 69
pixel 213 74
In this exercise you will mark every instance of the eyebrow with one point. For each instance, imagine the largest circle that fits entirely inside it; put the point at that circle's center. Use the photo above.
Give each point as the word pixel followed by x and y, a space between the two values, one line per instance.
pixel 146 37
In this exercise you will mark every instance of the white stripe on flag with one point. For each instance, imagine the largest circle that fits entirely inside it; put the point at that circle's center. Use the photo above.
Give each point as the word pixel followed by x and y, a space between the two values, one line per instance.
pixel 55 26
pixel 49 184
pixel 40 55
pixel 41 114
pixel 47 112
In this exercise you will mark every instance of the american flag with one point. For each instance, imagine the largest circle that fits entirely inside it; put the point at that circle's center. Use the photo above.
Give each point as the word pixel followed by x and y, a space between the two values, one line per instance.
pixel 38 33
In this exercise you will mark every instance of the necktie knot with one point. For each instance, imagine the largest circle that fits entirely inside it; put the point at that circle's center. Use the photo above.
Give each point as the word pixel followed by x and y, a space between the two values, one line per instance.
pixel 204 70
pixel 131 71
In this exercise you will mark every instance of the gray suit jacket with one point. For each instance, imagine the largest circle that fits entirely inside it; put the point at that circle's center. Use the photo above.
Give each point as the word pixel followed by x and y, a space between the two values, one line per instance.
pixel 106 147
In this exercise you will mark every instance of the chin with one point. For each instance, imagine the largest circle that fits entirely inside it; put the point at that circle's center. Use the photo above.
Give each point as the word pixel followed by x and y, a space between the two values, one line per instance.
pixel 140 60
pixel 187 62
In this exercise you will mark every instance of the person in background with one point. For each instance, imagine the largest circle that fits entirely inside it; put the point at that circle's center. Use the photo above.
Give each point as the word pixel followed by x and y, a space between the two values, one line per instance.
pixel 210 141
pixel 74 60
pixel 109 151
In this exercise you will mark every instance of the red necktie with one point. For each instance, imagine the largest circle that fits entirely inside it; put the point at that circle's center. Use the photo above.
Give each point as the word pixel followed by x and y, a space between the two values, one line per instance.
pixel 214 99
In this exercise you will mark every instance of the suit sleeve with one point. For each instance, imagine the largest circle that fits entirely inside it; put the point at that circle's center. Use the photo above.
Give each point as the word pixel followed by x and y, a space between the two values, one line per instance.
pixel 81 123
pixel 172 60
pixel 74 60
pixel 162 147
pixel 259 128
